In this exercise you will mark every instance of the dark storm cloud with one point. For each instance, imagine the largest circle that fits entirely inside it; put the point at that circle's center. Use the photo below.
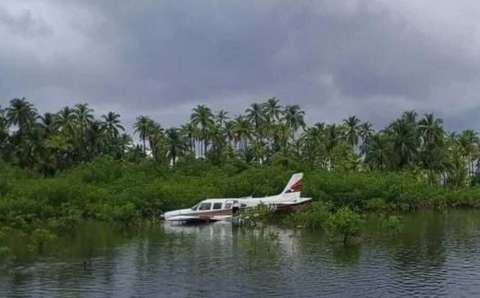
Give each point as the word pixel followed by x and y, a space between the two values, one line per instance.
pixel 334 58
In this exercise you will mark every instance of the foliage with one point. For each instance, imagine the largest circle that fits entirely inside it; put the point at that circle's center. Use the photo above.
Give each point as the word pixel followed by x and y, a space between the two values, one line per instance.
pixel 392 225
pixel 109 189
pixel 313 218
pixel 40 238
pixel 345 224
pixel 255 216
pixel 92 169
pixel 266 134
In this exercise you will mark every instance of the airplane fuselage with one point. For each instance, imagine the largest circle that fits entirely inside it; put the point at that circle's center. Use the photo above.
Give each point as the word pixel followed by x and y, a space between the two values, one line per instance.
pixel 225 208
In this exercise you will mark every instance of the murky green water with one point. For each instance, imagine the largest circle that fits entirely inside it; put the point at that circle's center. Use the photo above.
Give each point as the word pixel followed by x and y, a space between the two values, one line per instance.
pixel 435 255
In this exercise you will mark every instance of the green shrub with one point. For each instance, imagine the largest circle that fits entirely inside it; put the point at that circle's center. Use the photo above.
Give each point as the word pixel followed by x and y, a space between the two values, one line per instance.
pixel 392 225
pixel 344 224
pixel 40 238
pixel 312 218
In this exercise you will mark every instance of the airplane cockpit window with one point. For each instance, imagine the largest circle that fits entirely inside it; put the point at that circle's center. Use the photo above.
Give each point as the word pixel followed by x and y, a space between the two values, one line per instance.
pixel 205 206
pixel 217 205
pixel 194 207
pixel 228 206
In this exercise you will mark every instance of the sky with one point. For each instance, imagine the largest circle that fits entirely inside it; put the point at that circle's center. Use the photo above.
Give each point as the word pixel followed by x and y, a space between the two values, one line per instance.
pixel 370 58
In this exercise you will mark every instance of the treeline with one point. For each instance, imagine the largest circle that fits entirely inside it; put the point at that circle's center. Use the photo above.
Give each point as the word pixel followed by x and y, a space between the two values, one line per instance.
pixel 267 133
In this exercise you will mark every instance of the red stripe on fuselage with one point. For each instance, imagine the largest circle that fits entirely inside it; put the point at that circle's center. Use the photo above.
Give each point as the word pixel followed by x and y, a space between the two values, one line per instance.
pixel 210 213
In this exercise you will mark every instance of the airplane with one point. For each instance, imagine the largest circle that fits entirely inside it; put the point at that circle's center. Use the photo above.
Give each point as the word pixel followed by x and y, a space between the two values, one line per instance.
pixel 223 209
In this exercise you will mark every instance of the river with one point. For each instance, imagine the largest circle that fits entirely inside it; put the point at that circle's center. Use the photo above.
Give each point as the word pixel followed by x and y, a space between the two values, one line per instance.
pixel 434 255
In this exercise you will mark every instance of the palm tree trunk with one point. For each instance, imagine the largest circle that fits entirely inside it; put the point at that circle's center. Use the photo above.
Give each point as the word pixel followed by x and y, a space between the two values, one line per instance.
pixel 205 146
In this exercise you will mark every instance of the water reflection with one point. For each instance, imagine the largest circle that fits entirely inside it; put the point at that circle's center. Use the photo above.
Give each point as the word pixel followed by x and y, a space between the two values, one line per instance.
pixel 434 255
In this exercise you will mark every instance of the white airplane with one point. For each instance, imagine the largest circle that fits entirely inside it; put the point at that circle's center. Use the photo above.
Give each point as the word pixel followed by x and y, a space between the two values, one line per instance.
pixel 224 208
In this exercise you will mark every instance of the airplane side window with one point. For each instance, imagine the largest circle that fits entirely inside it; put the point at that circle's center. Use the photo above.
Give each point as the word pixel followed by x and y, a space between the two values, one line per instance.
pixel 217 206
pixel 228 206
pixel 205 206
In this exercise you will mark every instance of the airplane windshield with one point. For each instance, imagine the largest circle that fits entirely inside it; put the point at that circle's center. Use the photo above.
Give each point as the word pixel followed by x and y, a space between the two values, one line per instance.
pixel 194 207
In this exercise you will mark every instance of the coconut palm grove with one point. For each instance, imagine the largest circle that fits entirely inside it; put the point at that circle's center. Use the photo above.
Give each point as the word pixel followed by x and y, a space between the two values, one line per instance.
pixel 265 134
pixel 70 165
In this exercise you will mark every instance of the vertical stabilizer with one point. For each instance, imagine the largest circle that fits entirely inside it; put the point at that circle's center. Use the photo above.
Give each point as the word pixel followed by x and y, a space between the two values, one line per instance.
pixel 295 184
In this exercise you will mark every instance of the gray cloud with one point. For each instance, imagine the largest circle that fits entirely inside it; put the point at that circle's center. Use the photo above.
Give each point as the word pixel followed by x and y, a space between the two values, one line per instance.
pixel 334 58
pixel 23 24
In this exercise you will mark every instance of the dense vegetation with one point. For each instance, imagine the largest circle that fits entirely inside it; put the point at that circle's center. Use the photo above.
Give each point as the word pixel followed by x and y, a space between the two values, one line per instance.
pixel 266 134
pixel 69 165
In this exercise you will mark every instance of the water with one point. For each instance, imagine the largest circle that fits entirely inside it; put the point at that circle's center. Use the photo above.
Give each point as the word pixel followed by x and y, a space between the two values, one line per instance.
pixel 435 255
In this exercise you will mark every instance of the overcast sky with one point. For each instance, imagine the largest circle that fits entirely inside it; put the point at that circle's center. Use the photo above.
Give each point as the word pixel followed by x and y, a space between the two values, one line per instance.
pixel 334 58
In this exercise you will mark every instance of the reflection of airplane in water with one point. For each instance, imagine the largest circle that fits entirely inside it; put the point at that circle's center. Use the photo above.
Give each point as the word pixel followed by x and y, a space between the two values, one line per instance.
pixel 224 208
pixel 227 234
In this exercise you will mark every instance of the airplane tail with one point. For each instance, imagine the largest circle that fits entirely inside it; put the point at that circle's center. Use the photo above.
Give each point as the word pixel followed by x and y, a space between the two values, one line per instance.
pixel 295 184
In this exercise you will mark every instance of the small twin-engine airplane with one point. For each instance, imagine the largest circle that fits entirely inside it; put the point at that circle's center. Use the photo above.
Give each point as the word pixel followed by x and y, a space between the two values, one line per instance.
pixel 224 208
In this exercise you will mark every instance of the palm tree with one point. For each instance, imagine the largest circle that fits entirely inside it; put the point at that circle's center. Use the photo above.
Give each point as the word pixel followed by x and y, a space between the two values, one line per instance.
pixel 352 125
pixel 157 141
pixel 229 133
pixel 3 132
pixel 410 117
pixel 242 131
pixel 142 127
pixel 26 139
pixel 405 142
pixel 221 117
pixel 272 109
pixel 332 136
pixel 176 144
pixel 255 114
pixel 83 116
pixel 366 132
pixel 313 149
pixel 431 129
pixel 111 124
pixel 468 142
pixel 3 121
pixel 48 123
pixel 22 114
pixel 218 141
pixel 457 165
pixel 379 151
pixel 202 116
pixel 65 120
pixel 432 150
pixel 190 131
pixel 63 143
pixel 282 133
pixel 294 118
pixel 83 119
pixel 95 140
